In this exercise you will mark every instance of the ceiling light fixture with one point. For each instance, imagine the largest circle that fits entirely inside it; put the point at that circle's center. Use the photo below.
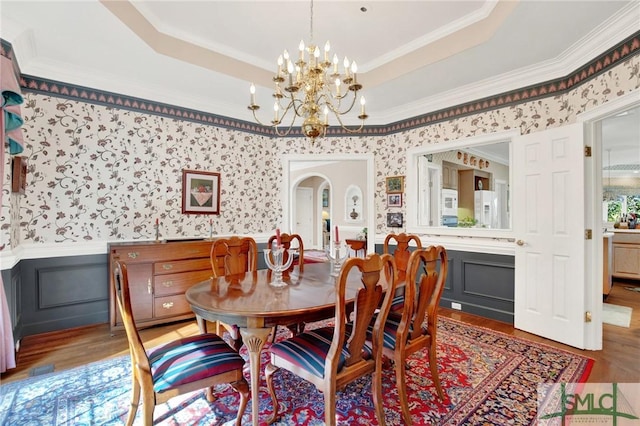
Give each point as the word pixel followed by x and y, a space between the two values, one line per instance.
pixel 312 88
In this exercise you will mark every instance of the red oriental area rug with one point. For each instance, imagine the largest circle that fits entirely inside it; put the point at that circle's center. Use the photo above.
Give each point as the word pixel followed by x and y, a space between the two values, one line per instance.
pixel 490 378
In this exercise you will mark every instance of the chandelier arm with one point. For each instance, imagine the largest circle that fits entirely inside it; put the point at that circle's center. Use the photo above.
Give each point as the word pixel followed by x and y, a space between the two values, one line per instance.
pixel 347 129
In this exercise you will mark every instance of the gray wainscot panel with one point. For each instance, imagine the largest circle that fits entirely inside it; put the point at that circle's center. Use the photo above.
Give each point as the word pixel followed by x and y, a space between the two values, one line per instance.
pixel 482 284
pixel 64 292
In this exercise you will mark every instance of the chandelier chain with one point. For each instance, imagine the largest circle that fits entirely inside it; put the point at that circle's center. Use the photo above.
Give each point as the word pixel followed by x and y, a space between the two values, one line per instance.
pixel 311 24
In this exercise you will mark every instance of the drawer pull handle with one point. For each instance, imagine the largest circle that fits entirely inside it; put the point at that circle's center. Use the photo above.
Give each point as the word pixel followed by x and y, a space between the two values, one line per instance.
pixel 133 254
pixel 167 266
pixel 167 305
pixel 167 283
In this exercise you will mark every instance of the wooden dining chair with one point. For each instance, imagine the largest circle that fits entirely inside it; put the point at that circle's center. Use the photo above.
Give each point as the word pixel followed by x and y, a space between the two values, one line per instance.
pixel 178 367
pixel 234 255
pixel 230 256
pixel 401 252
pixel 405 331
pixel 332 357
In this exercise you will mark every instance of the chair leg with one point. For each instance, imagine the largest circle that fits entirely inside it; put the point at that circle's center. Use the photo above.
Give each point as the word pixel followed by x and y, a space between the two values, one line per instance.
pixel 148 406
pixel 269 369
pixel 330 408
pixel 401 384
pixel 211 397
pixel 135 401
pixel 433 365
pixel 242 387
pixel 378 401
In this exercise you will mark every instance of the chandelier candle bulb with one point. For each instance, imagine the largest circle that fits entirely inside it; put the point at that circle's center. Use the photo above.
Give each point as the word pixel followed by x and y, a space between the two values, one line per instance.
pixel 327 47
pixel 252 90
pixel 335 64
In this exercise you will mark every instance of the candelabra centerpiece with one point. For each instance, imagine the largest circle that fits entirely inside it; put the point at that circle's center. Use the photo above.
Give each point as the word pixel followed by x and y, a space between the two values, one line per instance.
pixel 337 253
pixel 274 258
pixel 312 88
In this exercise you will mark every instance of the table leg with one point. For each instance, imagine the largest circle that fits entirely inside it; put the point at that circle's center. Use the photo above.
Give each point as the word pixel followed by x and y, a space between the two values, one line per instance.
pixel 254 339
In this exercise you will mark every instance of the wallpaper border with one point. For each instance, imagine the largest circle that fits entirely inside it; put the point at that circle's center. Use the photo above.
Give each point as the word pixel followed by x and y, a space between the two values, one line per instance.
pixel 624 49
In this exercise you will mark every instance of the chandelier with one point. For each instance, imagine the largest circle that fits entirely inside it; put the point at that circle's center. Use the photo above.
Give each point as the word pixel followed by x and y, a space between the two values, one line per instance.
pixel 312 89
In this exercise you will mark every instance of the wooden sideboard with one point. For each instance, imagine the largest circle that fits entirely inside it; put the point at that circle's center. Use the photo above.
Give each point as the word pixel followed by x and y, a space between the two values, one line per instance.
pixel 159 275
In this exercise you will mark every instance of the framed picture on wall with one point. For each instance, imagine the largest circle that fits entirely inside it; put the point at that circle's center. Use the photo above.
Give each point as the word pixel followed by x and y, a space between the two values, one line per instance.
pixel 200 192
pixel 394 220
pixel 325 197
pixel 394 200
pixel 395 185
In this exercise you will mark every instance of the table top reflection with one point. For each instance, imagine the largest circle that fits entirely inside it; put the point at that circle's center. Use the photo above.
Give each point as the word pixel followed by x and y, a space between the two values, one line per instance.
pixel 248 300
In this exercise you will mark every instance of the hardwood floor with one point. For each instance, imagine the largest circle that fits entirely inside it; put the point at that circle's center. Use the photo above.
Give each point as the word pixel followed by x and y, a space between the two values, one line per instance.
pixel 617 362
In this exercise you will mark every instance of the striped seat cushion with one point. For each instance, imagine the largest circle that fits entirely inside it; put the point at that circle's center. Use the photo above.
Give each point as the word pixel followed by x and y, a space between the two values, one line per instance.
pixel 308 350
pixel 397 304
pixel 191 358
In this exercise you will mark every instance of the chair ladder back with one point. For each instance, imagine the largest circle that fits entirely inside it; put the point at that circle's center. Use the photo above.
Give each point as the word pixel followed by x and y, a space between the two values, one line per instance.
pixel 368 299
pixel 286 240
pixel 401 253
pixel 431 265
pixel 234 255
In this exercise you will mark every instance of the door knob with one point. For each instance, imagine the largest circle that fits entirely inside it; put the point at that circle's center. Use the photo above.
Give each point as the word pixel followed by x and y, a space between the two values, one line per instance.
pixel 520 242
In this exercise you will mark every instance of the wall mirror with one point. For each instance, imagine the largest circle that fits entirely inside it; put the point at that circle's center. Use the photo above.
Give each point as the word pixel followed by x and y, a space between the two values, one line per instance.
pixel 461 189
pixel 620 135
pixel 318 195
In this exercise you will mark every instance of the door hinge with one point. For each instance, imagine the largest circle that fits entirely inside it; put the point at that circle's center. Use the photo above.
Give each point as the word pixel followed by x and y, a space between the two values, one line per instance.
pixel 588 234
pixel 587 151
pixel 587 316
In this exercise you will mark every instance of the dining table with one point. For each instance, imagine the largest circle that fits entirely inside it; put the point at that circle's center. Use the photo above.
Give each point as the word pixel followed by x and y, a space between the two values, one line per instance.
pixel 255 306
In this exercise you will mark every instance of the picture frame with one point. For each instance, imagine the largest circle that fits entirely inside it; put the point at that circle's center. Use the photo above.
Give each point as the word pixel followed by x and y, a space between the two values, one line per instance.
pixel 325 197
pixel 394 220
pixel 394 200
pixel 19 175
pixel 395 184
pixel 200 192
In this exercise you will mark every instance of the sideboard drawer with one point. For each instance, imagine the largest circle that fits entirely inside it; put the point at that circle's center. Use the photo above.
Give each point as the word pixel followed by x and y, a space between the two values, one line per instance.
pixel 175 266
pixel 178 283
pixel 170 306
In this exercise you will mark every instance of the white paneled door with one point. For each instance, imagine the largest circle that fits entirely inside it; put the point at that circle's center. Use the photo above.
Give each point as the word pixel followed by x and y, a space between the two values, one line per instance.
pixel 548 219
pixel 304 215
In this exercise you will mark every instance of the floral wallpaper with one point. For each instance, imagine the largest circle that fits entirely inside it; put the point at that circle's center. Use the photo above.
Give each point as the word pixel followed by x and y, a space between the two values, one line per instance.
pixel 99 173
